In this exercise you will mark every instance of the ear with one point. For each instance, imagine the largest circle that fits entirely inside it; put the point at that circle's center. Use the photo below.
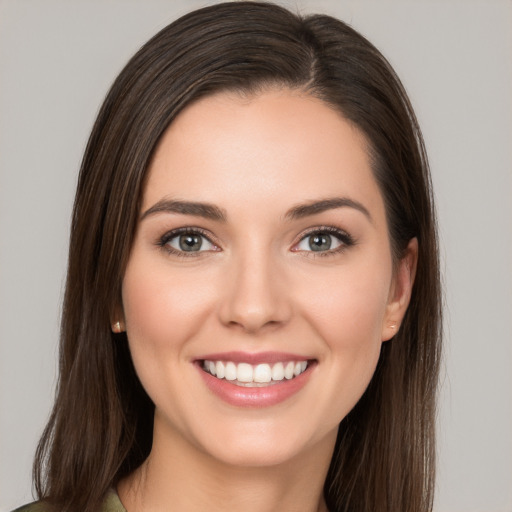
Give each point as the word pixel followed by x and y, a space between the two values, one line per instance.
pixel 400 290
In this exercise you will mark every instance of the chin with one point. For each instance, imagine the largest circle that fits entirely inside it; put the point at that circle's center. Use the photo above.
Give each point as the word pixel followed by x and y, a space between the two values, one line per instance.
pixel 260 444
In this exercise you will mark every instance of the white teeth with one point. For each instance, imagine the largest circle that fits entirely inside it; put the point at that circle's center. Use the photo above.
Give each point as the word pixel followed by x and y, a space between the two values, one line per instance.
pixel 246 374
pixel 230 371
pixel 262 373
pixel 278 371
pixel 220 370
pixel 299 368
pixel 288 370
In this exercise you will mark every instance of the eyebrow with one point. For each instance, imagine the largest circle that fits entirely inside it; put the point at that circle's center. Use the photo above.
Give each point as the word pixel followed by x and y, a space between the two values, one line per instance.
pixel 305 210
pixel 212 212
pixel 206 210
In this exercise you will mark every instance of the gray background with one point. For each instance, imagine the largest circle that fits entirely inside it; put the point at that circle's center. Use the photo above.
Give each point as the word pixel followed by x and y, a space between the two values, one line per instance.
pixel 57 59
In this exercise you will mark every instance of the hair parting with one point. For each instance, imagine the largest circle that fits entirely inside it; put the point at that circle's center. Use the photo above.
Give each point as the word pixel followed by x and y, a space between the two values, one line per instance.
pixel 100 428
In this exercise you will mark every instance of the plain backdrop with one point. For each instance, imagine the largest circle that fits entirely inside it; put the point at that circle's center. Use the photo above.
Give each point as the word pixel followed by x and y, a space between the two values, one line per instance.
pixel 57 60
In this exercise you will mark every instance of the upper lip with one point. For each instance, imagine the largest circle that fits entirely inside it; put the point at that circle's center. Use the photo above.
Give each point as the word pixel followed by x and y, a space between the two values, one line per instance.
pixel 253 358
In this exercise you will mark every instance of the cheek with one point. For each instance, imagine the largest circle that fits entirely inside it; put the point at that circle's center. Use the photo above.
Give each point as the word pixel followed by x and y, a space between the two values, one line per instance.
pixel 351 310
pixel 162 308
pixel 350 326
pixel 348 318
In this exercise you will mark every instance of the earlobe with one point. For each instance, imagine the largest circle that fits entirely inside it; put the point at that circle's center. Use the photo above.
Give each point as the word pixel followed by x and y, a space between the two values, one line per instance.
pixel 401 290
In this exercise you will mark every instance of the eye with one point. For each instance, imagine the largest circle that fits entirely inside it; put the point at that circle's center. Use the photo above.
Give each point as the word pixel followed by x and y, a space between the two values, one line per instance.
pixel 326 240
pixel 186 241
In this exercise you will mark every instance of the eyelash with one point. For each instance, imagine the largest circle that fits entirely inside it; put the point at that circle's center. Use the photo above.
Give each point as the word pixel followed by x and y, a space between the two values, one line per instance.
pixel 345 239
pixel 165 239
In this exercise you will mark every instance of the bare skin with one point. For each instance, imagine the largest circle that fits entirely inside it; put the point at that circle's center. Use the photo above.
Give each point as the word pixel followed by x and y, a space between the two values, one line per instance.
pixel 287 253
pixel 204 484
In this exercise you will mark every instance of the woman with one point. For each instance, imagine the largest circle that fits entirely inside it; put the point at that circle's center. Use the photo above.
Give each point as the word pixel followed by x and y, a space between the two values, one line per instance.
pixel 252 312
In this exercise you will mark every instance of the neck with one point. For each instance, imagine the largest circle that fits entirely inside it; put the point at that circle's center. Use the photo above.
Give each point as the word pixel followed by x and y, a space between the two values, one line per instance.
pixel 177 475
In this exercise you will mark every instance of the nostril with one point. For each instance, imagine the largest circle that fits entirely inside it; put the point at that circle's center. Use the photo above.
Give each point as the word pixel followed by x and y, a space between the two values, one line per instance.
pixel 254 324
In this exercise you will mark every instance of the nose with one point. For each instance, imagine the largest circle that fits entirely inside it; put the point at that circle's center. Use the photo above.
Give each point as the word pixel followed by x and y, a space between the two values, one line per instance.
pixel 256 297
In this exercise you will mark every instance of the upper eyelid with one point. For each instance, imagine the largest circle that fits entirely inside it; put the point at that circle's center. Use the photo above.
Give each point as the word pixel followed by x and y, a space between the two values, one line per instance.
pixel 342 233
pixel 345 239
pixel 322 229
pixel 163 242
pixel 333 229
pixel 164 239
pixel 189 229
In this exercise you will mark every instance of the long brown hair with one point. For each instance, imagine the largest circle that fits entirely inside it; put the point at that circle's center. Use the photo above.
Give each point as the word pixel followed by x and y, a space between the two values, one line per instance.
pixel 101 424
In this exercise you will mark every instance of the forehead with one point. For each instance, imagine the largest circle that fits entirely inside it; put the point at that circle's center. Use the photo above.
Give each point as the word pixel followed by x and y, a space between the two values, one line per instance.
pixel 278 146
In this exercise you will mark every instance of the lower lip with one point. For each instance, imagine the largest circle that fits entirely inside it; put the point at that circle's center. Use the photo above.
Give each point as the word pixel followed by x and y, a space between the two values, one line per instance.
pixel 266 396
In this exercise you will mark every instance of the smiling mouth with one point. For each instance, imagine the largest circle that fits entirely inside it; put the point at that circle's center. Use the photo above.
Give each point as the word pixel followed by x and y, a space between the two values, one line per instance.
pixel 259 375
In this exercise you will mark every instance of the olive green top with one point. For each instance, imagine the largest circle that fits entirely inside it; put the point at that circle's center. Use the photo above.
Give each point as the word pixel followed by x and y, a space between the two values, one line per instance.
pixel 112 503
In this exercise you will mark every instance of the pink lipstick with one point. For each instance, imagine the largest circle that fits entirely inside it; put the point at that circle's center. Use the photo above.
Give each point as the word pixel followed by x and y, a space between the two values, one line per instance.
pixel 255 380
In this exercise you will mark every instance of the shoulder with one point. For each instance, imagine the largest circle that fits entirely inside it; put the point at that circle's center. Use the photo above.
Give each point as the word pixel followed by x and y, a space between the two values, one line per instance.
pixel 111 503
pixel 37 506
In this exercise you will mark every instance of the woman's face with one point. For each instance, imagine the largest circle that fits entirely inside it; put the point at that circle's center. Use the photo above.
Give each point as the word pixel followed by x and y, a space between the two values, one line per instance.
pixel 260 285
